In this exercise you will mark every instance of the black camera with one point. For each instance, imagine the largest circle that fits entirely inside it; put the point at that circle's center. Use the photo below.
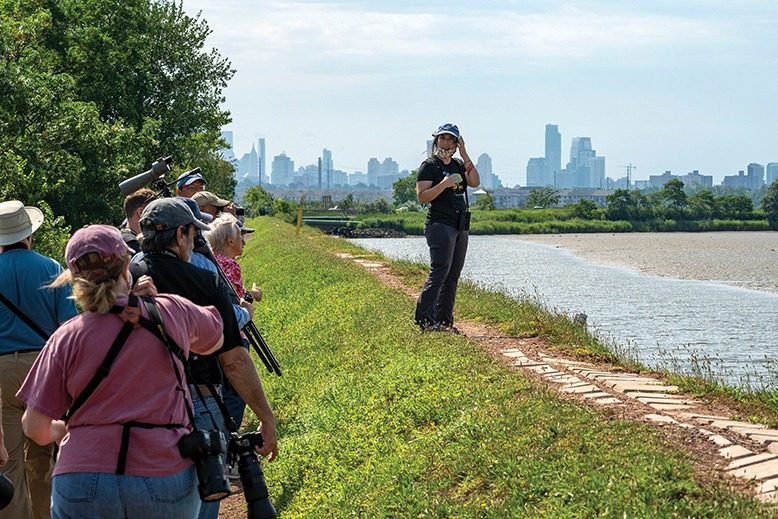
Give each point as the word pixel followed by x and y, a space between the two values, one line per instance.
pixel 206 449
pixel 241 450
pixel 240 213
pixel 6 491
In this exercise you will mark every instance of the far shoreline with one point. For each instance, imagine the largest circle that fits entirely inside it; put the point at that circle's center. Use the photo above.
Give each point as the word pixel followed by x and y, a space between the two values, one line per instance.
pixel 743 259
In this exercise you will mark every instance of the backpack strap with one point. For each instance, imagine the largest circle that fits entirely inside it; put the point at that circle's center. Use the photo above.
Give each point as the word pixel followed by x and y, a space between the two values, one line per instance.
pixel 21 315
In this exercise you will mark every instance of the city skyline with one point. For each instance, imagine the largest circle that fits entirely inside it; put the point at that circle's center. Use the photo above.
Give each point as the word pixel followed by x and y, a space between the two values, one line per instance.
pixel 678 86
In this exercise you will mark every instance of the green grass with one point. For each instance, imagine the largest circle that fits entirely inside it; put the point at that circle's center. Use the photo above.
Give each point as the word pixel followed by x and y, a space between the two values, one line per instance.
pixel 378 420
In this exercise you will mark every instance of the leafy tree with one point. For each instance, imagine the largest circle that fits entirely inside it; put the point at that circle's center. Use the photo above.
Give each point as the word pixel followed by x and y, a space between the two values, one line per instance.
pixel 701 205
pixel 734 206
pixel 673 198
pixel 92 91
pixel 770 205
pixel 543 197
pixel 484 202
pixel 347 204
pixel 632 206
pixel 584 209
pixel 409 207
pixel 404 189
pixel 285 209
pixel 257 201
pixel 379 206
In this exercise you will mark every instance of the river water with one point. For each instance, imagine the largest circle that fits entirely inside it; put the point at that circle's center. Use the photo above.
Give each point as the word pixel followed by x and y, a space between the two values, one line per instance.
pixel 730 331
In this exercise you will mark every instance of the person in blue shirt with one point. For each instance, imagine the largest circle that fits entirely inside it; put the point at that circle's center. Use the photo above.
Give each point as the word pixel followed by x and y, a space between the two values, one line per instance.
pixel 29 313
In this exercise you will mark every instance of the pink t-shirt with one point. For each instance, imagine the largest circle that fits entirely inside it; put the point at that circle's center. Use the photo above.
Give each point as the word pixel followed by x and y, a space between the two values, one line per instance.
pixel 141 386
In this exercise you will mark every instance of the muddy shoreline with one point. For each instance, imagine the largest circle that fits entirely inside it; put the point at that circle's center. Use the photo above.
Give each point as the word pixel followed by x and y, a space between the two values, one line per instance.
pixel 740 259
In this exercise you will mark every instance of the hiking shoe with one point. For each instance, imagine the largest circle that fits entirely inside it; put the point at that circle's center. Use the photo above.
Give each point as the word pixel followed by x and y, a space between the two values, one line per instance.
pixel 449 329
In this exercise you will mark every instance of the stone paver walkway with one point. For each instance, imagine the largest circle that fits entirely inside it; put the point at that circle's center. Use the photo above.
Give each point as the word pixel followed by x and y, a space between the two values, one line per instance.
pixel 751 450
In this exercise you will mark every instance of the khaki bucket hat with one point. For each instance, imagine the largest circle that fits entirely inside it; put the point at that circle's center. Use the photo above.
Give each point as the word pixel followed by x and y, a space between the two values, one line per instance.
pixel 17 221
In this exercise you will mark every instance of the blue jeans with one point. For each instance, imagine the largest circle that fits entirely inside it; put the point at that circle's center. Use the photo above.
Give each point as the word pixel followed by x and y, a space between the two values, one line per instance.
pixel 208 510
pixel 100 495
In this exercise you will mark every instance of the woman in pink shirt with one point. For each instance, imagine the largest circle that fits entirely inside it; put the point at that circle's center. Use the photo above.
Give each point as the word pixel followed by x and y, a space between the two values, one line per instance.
pixel 108 465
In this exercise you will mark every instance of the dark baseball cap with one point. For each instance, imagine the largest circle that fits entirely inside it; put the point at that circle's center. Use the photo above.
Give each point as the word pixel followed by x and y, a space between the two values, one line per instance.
pixel 192 204
pixel 167 213
pixel 448 128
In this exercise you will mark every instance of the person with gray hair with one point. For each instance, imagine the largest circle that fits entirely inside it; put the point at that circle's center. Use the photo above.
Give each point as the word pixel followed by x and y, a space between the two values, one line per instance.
pixel 29 313
pixel 226 240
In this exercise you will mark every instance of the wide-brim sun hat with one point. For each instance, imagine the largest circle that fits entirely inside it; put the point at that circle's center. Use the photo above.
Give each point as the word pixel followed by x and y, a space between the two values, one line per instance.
pixel 18 221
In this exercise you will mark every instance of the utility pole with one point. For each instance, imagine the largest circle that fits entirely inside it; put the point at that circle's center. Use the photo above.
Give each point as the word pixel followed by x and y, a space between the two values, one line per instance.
pixel 628 168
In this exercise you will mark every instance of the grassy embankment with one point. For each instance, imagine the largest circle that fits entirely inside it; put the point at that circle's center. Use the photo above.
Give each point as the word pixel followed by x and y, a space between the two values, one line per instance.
pixel 377 420
pixel 550 221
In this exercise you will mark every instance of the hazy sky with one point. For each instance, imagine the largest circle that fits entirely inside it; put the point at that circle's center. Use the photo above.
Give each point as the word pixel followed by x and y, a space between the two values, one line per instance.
pixel 678 85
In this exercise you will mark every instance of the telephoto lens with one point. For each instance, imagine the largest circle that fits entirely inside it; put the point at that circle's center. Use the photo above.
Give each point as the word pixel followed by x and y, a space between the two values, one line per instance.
pixel 6 491
pixel 206 448
pixel 255 487
pixel 250 470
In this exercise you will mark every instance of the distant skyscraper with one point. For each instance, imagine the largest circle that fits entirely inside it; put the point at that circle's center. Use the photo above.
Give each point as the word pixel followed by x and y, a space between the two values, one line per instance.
pixel 373 171
pixel 484 166
pixel 536 172
pixel 772 172
pixel 739 180
pixel 585 168
pixel 755 174
pixel 326 168
pixel 248 165
pixel 228 153
pixel 282 170
pixel 553 154
pixel 262 161
pixel 357 178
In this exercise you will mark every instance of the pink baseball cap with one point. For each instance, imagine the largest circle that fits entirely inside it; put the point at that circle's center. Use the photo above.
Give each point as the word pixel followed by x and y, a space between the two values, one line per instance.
pixel 97 252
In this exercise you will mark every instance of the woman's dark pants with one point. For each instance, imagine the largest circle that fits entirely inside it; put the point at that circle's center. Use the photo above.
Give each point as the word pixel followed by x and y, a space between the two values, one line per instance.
pixel 448 247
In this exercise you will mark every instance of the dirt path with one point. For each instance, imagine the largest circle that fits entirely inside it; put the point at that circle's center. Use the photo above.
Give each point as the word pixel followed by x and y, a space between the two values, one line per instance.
pixel 743 454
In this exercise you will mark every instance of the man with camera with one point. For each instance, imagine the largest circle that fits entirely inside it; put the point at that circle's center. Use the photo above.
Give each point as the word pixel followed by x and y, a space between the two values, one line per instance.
pixel 29 313
pixel 169 228
pixel 134 204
